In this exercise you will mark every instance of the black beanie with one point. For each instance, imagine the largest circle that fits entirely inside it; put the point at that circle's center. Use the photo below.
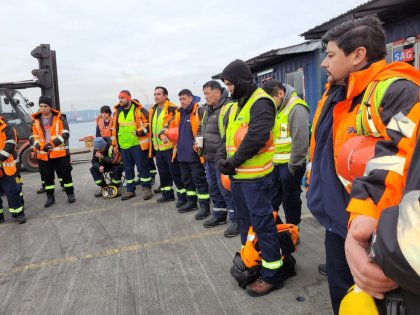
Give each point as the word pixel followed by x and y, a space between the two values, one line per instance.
pixel 45 100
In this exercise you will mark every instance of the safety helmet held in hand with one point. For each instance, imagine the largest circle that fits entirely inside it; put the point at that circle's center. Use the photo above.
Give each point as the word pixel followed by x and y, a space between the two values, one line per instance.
pixel 240 135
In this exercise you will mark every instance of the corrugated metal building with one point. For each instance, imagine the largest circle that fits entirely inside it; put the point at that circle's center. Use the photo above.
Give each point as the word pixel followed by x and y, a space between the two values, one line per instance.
pixel 299 65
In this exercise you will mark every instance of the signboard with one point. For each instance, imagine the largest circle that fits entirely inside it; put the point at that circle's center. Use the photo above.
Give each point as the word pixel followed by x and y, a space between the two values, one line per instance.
pixel 404 55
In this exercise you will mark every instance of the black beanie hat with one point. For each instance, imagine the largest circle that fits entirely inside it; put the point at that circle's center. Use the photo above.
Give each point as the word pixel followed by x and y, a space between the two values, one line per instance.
pixel 45 100
pixel 105 109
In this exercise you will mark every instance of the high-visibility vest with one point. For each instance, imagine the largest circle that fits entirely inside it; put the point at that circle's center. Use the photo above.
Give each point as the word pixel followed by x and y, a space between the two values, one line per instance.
pixel 221 123
pixel 261 163
pixel 106 131
pixel 8 165
pixel 161 122
pixel 283 143
pixel 126 127
pixel 56 131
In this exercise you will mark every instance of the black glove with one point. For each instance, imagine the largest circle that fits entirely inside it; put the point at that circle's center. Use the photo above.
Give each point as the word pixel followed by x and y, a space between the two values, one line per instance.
pixel 227 167
pixel 57 142
pixel 47 147
pixel 141 133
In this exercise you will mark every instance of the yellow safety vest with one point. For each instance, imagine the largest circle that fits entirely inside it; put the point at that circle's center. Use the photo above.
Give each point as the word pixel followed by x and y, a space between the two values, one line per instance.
pixel 127 124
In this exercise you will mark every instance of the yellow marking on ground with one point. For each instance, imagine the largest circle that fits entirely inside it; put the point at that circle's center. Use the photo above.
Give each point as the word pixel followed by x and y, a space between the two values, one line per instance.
pixel 106 252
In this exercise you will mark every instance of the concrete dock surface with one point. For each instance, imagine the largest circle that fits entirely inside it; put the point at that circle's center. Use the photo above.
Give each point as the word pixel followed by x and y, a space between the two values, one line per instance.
pixel 100 256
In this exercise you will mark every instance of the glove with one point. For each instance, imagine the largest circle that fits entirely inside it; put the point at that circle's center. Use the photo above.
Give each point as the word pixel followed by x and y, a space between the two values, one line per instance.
pixel 47 147
pixel 141 133
pixel 227 167
pixel 57 142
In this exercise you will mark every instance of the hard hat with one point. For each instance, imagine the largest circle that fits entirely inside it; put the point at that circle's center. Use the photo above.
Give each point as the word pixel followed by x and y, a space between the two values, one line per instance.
pixel 225 182
pixel 172 134
pixel 354 155
pixel 240 135
pixel 357 302
pixel 109 192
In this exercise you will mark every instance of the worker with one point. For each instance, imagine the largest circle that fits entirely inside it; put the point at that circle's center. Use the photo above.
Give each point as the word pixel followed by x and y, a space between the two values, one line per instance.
pixel 105 160
pixel 193 175
pixel 9 185
pixel 364 96
pixel 291 149
pixel 130 138
pixel 161 115
pixel 212 128
pixel 50 136
pixel 104 122
pixel 251 171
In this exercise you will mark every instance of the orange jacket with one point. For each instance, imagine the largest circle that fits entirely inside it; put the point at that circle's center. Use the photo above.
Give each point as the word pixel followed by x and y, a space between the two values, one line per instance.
pixel 105 131
pixel 141 116
pixel 59 135
pixel 383 187
pixel 8 142
pixel 169 110
pixel 195 120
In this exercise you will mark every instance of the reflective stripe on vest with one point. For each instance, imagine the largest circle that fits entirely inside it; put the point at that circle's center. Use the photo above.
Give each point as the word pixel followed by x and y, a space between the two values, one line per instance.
pixel 127 125
pixel 158 126
pixel 368 120
pixel 283 144
pixel 261 163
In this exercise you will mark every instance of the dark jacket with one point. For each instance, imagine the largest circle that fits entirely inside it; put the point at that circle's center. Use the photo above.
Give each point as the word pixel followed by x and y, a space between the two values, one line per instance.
pixel 395 250
pixel 262 114
pixel 96 162
pixel 209 127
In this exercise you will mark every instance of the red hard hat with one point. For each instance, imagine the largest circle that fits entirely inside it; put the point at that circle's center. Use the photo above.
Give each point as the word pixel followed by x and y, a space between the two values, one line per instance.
pixel 240 135
pixel 354 155
pixel 225 182
pixel 172 134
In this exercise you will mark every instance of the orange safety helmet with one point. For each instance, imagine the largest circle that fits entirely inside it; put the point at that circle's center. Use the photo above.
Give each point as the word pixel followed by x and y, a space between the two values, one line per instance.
pixel 225 182
pixel 240 135
pixel 354 155
pixel 172 134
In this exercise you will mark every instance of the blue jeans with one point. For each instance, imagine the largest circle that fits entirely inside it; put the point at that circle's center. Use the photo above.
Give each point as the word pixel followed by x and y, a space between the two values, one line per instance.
pixel 253 207
pixel 135 156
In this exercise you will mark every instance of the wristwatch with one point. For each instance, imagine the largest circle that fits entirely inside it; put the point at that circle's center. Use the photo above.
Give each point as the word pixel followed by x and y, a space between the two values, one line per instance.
pixel 371 249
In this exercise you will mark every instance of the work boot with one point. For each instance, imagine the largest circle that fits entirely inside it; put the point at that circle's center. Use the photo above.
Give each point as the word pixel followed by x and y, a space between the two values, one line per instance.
pixel 40 191
pixel 147 193
pixel 71 198
pixel 322 268
pixel 232 230
pixel 259 287
pixel 1 217
pixel 20 218
pixel 157 190
pixel 180 203
pixel 204 212
pixel 50 201
pixel 98 193
pixel 214 222
pixel 127 195
pixel 189 206
pixel 164 199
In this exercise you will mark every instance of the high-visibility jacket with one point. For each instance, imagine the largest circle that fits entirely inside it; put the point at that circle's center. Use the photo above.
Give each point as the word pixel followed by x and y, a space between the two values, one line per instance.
pixel 123 126
pixel 194 121
pixel 159 124
pixel 106 131
pixel 261 163
pixel 59 134
pixel 222 123
pixel 376 191
pixel 8 142
pixel 283 143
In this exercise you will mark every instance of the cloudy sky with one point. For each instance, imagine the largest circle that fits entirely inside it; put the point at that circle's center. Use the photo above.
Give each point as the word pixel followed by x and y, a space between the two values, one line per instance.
pixel 105 46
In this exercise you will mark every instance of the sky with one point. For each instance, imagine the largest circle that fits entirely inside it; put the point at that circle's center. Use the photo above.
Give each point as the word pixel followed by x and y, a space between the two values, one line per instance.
pixel 105 46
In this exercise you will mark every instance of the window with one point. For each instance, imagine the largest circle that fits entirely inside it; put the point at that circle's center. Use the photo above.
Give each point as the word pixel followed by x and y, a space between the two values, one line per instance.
pixel 296 80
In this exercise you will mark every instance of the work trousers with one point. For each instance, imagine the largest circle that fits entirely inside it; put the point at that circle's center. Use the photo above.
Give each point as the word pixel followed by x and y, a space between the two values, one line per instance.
pixel 115 169
pixel 12 190
pixel 194 178
pixel 338 271
pixel 253 207
pixel 169 173
pixel 220 197
pixel 47 168
pixel 286 190
pixel 135 156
